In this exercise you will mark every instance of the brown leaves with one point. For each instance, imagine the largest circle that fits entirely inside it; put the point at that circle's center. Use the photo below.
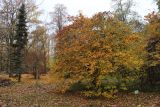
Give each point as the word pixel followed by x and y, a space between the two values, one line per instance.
pixel 94 47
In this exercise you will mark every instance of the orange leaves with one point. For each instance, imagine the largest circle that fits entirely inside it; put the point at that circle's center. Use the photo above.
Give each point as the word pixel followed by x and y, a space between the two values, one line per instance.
pixel 153 27
pixel 129 59
pixel 91 48
pixel 153 31
pixel 131 39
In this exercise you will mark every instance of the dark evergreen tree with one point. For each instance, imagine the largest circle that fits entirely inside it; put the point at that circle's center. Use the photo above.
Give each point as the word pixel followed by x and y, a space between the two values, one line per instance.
pixel 158 3
pixel 20 42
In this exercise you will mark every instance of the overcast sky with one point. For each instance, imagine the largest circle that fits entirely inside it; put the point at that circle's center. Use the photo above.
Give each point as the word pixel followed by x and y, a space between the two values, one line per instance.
pixel 90 7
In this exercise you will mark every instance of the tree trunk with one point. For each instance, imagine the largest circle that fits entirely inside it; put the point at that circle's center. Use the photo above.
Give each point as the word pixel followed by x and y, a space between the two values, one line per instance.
pixel 10 75
pixel 95 78
pixel 19 77
pixel 37 75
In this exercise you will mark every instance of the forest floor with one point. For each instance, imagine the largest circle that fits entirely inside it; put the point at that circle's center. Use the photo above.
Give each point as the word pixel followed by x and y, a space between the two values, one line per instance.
pixel 29 94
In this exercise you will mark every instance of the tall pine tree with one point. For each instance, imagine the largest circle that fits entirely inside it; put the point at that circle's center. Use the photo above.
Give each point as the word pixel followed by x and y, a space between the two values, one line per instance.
pixel 20 42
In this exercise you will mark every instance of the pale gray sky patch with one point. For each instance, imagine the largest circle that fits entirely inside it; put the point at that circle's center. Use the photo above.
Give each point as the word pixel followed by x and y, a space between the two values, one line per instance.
pixel 90 7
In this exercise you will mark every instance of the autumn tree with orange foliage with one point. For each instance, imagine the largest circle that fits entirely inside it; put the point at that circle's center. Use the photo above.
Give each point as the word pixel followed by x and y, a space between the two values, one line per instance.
pixel 99 52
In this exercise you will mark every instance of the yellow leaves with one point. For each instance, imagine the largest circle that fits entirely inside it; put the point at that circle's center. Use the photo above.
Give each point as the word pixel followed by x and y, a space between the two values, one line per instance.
pixel 131 39
pixel 110 94
pixel 129 59
pixel 96 44
pixel 91 94
pixel 153 28
pixel 153 31
pixel 95 55
pixel 90 67
pixel 88 53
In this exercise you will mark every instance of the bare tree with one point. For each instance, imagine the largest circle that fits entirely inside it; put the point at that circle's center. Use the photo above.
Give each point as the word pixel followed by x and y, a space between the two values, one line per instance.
pixel 123 12
pixel 123 9
pixel 37 52
pixel 59 16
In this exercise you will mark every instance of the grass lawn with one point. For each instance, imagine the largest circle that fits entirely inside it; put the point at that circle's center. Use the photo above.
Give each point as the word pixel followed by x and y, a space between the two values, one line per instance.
pixel 30 94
